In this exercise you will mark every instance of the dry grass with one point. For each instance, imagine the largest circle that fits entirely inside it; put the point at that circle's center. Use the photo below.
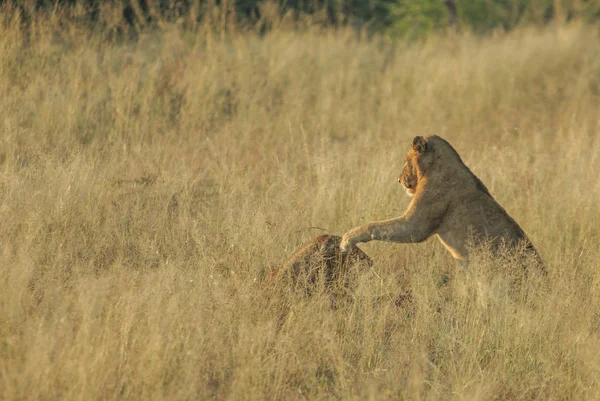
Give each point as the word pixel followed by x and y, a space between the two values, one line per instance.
pixel 146 187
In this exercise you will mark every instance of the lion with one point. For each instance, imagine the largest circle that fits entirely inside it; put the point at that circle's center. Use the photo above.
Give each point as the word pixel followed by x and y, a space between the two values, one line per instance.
pixel 448 201
pixel 321 255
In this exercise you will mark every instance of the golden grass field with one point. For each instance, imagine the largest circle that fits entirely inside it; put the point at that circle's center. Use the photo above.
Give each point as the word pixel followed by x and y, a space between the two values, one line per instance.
pixel 146 188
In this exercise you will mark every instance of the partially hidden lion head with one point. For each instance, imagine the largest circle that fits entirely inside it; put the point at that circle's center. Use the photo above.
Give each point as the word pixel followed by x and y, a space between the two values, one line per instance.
pixel 322 252
pixel 416 163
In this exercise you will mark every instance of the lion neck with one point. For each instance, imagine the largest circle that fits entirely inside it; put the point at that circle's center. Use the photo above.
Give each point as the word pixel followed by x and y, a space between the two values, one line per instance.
pixel 447 173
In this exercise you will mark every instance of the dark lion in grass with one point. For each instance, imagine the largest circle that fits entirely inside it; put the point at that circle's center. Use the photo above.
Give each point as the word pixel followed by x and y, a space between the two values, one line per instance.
pixel 321 257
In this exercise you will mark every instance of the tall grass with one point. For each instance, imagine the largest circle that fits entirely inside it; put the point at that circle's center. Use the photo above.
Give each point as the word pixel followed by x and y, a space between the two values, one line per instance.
pixel 147 187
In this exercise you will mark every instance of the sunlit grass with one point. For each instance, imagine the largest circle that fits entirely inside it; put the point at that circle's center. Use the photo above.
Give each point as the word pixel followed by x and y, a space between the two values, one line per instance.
pixel 147 187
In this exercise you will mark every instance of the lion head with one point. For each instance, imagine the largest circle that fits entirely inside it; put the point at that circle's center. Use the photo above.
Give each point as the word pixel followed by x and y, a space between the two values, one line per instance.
pixel 434 156
pixel 416 163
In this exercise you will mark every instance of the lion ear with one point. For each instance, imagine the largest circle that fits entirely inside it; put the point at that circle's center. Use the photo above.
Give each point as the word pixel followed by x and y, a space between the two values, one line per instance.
pixel 419 144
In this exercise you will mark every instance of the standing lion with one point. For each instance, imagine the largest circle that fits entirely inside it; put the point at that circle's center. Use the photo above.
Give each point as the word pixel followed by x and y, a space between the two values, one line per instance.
pixel 448 201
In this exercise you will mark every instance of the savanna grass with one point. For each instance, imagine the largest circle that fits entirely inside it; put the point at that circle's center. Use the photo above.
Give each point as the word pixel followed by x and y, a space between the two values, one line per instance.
pixel 147 187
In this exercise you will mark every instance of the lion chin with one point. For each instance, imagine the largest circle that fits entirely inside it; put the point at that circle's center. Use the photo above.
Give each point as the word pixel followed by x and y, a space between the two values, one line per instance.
pixel 410 191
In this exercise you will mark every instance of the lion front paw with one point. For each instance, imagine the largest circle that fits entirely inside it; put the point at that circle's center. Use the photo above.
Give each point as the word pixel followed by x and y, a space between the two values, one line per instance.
pixel 355 236
pixel 345 244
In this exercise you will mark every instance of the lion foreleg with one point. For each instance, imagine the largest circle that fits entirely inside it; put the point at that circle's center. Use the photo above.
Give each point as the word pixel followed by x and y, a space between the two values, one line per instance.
pixel 416 225
pixel 398 229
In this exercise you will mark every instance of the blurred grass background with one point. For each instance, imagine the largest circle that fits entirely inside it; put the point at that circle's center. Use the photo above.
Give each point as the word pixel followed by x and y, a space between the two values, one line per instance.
pixel 146 186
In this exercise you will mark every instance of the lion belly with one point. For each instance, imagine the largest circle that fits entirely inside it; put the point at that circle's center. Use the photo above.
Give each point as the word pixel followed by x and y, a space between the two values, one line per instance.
pixel 456 248
pixel 475 220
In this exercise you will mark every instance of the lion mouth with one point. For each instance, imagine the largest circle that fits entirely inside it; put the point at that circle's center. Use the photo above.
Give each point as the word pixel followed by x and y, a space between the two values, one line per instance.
pixel 410 191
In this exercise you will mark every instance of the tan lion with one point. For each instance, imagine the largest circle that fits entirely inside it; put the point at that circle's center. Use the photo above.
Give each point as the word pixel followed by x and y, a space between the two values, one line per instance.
pixel 448 201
